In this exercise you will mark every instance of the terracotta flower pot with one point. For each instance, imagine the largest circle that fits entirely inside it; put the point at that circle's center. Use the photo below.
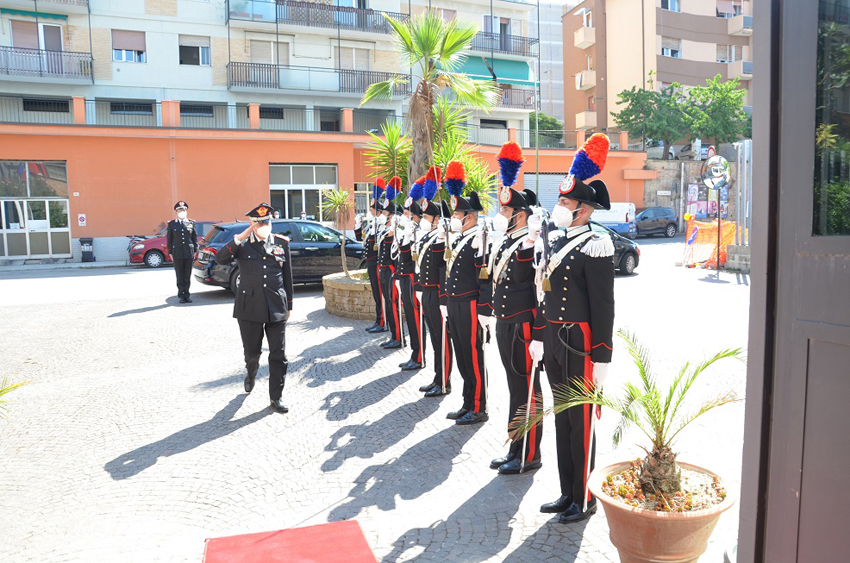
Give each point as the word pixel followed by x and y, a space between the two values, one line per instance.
pixel 644 536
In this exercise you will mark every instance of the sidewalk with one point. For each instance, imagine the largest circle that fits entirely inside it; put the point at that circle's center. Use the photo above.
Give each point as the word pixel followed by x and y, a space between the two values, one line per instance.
pixel 65 266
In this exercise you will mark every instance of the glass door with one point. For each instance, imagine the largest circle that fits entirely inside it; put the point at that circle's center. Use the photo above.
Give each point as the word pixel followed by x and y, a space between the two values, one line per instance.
pixel 35 229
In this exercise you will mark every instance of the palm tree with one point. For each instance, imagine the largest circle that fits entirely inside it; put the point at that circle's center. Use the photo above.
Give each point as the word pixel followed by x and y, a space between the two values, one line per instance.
pixel 435 50
pixel 6 387
pixel 337 204
pixel 658 413
pixel 389 154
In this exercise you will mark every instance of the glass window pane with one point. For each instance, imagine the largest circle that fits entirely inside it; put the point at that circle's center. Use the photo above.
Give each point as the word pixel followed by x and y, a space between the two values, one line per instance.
pixel 296 204
pixel 48 179
pixel 278 201
pixel 283 228
pixel 279 175
pixel 37 215
pixel 61 243
pixel 302 175
pixel 316 233
pixel 38 243
pixel 312 204
pixel 13 215
pixel 17 244
pixel 326 175
pixel 58 214
pixel 13 179
pixel 832 131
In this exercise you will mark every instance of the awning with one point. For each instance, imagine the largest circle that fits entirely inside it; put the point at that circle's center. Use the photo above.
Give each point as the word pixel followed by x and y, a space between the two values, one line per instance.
pixel 508 72
pixel 38 15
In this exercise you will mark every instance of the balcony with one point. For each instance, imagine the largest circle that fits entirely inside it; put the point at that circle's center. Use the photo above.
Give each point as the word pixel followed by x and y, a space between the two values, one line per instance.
pixel 740 25
pixel 741 69
pixel 485 42
pixel 312 14
pixel 586 120
pixel 585 80
pixel 516 98
pixel 38 65
pixel 265 77
pixel 585 37
pixel 55 6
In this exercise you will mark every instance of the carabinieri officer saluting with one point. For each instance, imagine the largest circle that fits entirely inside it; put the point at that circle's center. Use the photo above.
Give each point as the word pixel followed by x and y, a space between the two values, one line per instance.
pixel 575 323
pixel 263 297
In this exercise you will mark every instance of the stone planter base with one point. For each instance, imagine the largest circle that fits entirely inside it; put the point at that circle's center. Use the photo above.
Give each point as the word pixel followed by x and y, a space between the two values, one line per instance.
pixel 349 297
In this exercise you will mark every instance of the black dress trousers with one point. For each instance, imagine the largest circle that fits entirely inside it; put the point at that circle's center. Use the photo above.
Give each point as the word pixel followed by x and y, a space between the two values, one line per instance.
pixel 252 345
pixel 442 346
pixel 413 317
pixel 183 270
pixel 468 339
pixel 375 283
pixel 390 295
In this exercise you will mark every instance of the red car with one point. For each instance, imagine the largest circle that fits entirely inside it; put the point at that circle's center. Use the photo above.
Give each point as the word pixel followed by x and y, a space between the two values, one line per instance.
pixel 153 252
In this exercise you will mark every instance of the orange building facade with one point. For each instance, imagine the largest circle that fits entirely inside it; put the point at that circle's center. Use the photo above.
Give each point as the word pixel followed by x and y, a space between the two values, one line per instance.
pixel 125 180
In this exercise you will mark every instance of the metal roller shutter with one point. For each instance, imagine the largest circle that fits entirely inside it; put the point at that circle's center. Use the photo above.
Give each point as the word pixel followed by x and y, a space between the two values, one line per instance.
pixel 548 191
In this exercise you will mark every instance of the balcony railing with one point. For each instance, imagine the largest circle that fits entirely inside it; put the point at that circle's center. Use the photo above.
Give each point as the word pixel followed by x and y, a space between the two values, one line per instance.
pixel 516 98
pixel 38 63
pixel 742 70
pixel 505 44
pixel 584 37
pixel 740 25
pixel 282 77
pixel 586 120
pixel 313 14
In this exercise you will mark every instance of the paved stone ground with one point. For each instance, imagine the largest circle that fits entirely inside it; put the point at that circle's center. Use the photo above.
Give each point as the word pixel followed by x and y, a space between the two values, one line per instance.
pixel 135 441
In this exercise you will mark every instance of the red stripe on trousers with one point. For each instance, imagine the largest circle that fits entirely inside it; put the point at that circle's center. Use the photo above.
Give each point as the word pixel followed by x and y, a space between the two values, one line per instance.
pixel 397 336
pixel 446 346
pixel 473 311
pixel 587 409
pixel 417 310
pixel 532 438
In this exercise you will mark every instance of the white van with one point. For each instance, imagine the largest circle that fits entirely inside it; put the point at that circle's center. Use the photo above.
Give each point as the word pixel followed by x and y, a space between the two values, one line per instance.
pixel 620 218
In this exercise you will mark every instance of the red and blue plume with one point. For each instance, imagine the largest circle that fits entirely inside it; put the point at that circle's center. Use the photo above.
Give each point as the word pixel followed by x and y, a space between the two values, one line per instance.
pixel 378 189
pixel 417 189
pixel 429 189
pixel 432 181
pixel 590 158
pixel 510 160
pixel 455 178
pixel 393 187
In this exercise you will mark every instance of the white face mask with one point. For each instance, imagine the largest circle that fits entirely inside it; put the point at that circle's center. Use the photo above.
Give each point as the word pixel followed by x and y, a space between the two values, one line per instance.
pixel 456 225
pixel 181 215
pixel 382 219
pixel 562 217
pixel 501 223
pixel 264 231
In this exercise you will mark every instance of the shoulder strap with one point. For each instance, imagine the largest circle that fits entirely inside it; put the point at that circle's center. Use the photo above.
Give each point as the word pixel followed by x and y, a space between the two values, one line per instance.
pixel 555 260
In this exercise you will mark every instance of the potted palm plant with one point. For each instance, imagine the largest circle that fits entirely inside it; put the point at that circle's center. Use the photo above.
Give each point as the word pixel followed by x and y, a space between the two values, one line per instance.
pixel 337 203
pixel 658 508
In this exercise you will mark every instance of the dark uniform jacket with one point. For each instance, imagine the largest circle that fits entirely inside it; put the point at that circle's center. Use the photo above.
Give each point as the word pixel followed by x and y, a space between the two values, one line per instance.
pixel 370 252
pixel 582 291
pixel 514 295
pixel 406 265
pixel 432 264
pixel 264 294
pixel 385 255
pixel 462 273
pixel 181 239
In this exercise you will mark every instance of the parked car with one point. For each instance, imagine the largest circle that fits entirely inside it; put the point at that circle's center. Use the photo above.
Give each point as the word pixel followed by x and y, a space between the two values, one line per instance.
pixel 315 252
pixel 657 221
pixel 620 218
pixel 153 252
pixel 687 153
pixel 626 251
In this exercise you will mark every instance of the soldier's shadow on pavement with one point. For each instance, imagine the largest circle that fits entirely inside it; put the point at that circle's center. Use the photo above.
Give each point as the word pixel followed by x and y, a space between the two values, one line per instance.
pixel 420 469
pixel 200 299
pixel 342 404
pixel 552 538
pixel 366 440
pixel 220 425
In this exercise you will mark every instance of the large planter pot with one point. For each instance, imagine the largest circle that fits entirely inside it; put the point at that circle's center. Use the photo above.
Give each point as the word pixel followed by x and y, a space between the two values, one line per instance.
pixel 349 297
pixel 644 536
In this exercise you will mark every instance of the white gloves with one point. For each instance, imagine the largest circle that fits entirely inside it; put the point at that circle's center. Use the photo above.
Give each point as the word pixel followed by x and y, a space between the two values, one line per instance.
pixel 358 222
pixel 407 238
pixel 418 296
pixel 444 310
pixel 535 227
pixel 535 350
pixel 600 374
pixel 441 232
pixel 485 321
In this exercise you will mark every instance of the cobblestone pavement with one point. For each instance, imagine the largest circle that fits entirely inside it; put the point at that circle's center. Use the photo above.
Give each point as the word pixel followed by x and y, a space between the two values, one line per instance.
pixel 134 440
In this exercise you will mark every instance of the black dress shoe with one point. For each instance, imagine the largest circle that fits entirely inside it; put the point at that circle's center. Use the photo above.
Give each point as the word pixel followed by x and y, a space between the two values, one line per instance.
pixel 391 345
pixel 575 514
pixel 402 364
pixel 437 391
pixel 514 466
pixel 499 461
pixel 278 406
pixel 472 418
pixel 373 327
pixel 182 300
pixel 457 414
pixel 249 382
pixel 559 505
pixel 428 386
pixel 188 299
pixel 411 366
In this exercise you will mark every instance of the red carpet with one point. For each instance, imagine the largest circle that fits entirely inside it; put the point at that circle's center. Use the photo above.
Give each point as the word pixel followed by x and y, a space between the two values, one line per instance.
pixel 337 542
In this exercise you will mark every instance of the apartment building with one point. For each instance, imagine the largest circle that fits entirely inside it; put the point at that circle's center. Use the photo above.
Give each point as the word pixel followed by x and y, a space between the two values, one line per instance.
pixel 551 54
pixel 612 45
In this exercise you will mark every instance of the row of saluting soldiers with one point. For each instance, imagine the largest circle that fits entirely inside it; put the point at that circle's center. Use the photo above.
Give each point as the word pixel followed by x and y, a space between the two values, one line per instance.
pixel 541 284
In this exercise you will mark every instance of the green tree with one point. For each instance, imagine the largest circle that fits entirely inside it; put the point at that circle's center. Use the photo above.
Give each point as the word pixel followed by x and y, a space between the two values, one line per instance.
pixel 435 50
pixel 551 130
pixel 657 115
pixel 716 110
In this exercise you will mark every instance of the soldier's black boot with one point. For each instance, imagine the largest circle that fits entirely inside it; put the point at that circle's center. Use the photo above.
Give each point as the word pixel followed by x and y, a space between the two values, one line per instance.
pixel 575 514
pixel 454 415
pixel 278 406
pixel 249 380
pixel 515 466
pixel 472 418
pixel 560 505
pixel 437 391
pixel 499 461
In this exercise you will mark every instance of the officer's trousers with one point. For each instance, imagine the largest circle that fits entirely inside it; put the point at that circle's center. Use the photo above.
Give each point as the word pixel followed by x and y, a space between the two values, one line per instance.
pixel 468 339
pixel 390 296
pixel 183 270
pixel 375 283
pixel 441 343
pixel 513 340
pixel 413 317
pixel 252 344
pixel 572 426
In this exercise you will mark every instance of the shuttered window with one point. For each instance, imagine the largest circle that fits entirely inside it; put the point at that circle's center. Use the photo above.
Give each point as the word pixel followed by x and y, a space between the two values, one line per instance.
pixel 194 50
pixel 128 46
pixel 352 58
pixel 671 47
pixel 24 35
pixel 262 52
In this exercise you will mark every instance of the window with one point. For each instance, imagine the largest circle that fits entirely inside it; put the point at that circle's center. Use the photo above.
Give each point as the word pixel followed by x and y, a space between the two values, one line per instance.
pixel 729 53
pixel 264 52
pixel 128 46
pixel 672 5
pixel 671 47
pixel 590 62
pixel 280 228
pixel 194 50
pixel 587 18
pixel 352 58
pixel 494 124
pixel 125 108
pixel 316 233
pixel 729 8
pixel 187 110
pixel 267 112
pixel 446 15
pixel 591 103
pixel 52 106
